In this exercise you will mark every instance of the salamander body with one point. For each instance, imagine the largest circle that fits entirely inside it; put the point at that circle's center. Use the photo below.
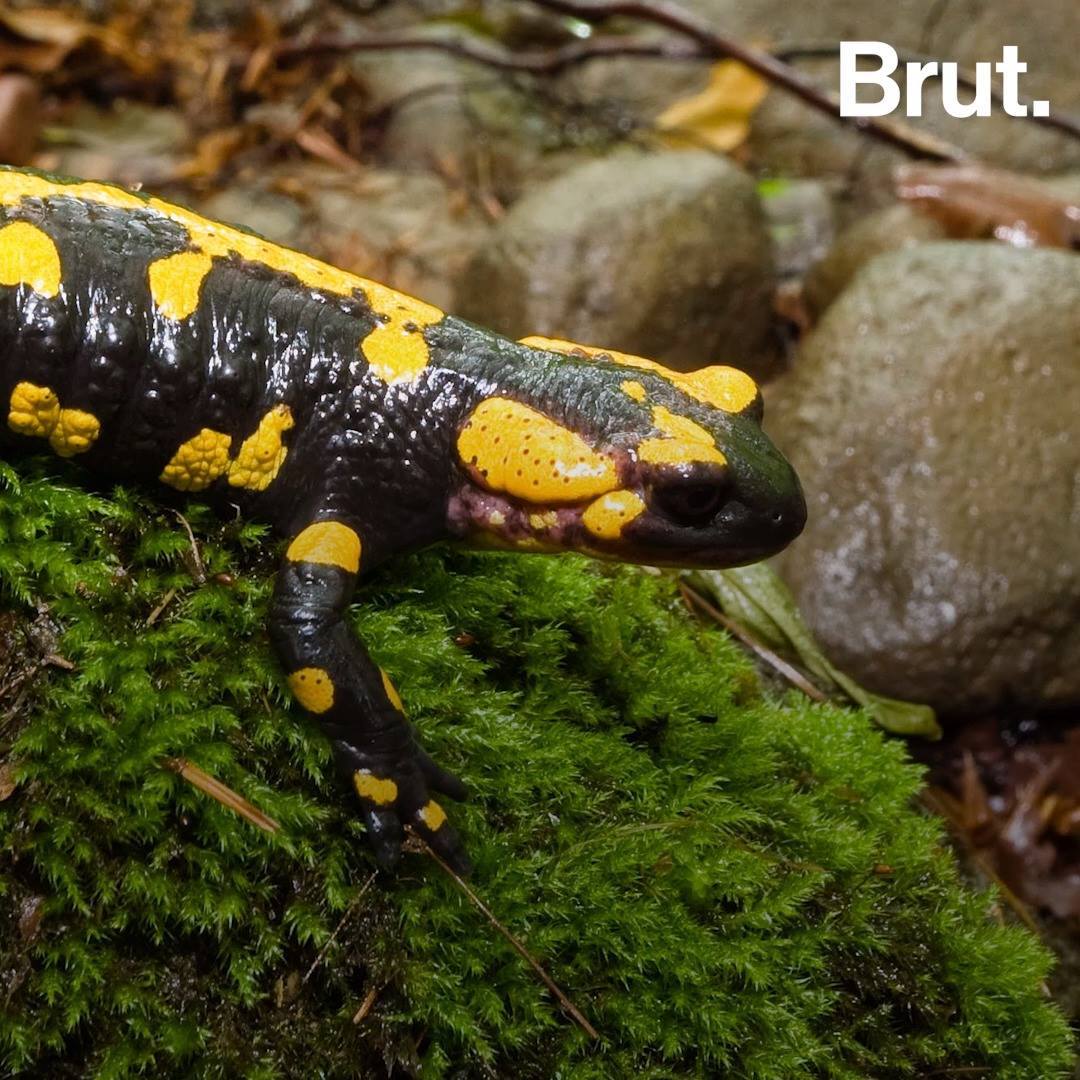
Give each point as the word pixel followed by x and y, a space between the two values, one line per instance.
pixel 149 344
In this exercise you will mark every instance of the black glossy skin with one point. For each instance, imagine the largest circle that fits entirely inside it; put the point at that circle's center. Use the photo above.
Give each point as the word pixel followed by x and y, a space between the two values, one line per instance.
pixel 380 459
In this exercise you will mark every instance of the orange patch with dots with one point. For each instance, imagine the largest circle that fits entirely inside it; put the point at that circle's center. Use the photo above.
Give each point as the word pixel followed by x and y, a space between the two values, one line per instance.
pixel 606 517
pixel 720 386
pixel 515 449
pixel 313 688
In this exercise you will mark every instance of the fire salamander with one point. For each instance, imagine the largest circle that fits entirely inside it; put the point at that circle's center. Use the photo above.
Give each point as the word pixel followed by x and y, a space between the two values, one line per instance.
pixel 155 346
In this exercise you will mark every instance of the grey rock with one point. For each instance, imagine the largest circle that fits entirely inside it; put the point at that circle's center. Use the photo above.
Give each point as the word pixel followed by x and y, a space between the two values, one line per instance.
pixel 663 255
pixel 933 418
pixel 896 227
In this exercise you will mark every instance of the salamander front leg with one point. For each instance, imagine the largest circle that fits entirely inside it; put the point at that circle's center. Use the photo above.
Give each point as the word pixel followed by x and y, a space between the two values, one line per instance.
pixel 353 700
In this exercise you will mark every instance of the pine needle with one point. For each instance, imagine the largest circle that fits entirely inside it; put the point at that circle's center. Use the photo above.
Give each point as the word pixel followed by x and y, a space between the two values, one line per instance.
pixel 225 795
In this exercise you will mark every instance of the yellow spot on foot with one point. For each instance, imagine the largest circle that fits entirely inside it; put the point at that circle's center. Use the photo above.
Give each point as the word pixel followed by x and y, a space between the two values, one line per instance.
pixel 34 410
pixel 382 792
pixel 75 432
pixel 313 688
pixel 606 517
pixel 518 450
pixel 391 691
pixel 684 443
pixel 633 389
pixel 198 462
pixel 262 454
pixel 328 543
pixel 28 256
pixel 176 281
pixel 432 815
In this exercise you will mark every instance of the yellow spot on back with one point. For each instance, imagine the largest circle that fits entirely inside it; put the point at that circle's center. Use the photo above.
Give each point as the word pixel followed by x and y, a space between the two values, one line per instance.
pixel 34 410
pixel 176 281
pixel 720 386
pixel 328 543
pixel 262 454
pixel 198 462
pixel 394 351
pixel 606 517
pixel 379 791
pixel 28 256
pixel 633 389
pixel 432 815
pixel 75 432
pixel 684 442
pixel 313 688
pixel 391 691
pixel 518 450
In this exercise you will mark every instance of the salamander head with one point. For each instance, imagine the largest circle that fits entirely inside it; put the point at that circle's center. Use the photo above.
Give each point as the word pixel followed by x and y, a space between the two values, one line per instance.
pixel 612 455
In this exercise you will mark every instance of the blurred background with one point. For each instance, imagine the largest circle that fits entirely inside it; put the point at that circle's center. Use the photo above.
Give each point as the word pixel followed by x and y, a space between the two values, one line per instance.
pixel 909 292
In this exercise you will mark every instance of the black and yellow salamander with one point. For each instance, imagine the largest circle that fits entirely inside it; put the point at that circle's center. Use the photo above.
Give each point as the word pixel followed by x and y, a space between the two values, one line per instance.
pixel 152 345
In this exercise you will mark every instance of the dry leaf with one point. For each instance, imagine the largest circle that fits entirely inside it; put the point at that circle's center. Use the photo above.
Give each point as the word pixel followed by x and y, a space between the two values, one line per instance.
pixel 719 116
pixel 975 202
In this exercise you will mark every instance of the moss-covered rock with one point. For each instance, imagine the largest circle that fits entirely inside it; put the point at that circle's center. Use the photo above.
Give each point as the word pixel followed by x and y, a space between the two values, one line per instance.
pixel 725 884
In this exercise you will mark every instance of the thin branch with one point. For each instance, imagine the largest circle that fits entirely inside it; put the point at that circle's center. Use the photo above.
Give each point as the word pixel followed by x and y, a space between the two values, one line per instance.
pixel 531 62
pixel 672 17
pixel 222 793
pixel 574 1012
pixel 778 663
pixel 337 930
pixel 199 573
pixel 828 50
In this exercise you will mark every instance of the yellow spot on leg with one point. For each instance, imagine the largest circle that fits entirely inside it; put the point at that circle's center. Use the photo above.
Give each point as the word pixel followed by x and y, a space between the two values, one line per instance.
pixel 262 454
pixel 391 691
pixel 313 688
pixel 606 517
pixel 432 815
pixel 199 461
pixel 28 256
pixel 684 443
pixel 176 281
pixel 33 410
pixel 528 455
pixel 396 349
pixel 75 432
pixel 382 792
pixel 329 543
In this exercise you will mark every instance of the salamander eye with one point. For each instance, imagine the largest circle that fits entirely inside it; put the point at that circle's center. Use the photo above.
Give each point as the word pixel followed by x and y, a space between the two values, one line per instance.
pixel 688 504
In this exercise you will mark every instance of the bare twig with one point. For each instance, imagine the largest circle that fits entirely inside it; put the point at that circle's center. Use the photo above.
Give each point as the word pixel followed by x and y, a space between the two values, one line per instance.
pixel 673 17
pixel 792 674
pixel 222 793
pixel 365 1005
pixel 337 930
pixel 1063 122
pixel 571 1009
pixel 532 61
pixel 166 600
pixel 199 570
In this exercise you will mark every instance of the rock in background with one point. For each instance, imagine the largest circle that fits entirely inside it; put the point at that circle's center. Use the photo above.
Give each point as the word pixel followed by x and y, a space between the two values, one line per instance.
pixel 933 418
pixel 665 255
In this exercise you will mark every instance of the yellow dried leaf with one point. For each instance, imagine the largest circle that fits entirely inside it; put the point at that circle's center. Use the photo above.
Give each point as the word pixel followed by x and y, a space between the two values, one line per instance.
pixel 718 116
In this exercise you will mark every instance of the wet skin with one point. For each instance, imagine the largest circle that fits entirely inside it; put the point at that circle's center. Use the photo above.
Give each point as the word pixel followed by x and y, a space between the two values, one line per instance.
pixel 152 345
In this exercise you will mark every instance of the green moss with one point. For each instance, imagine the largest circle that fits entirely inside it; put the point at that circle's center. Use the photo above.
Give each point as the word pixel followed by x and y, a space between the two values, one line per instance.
pixel 724 883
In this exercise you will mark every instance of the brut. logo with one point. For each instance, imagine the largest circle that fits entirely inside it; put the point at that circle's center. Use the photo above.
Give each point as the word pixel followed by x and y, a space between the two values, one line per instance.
pixel 980 103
